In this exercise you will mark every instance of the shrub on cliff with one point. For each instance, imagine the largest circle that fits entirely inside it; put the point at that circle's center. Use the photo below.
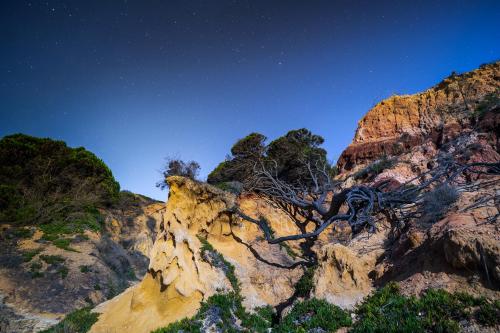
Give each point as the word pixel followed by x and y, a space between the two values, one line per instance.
pixel 79 321
pixel 177 167
pixel 437 202
pixel 44 181
pixel 375 168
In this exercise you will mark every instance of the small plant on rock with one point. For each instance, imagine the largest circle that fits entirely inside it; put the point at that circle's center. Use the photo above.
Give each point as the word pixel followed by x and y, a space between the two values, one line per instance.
pixel 437 202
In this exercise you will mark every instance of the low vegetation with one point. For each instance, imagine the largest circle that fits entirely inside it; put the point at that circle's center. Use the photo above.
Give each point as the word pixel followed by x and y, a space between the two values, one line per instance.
pixel 52 259
pixel 208 252
pixel 385 311
pixel 79 321
pixel 435 311
pixel 314 315
pixel 30 254
pixel 305 283
pixel 375 168
pixel 35 268
pixel 437 202
pixel 489 103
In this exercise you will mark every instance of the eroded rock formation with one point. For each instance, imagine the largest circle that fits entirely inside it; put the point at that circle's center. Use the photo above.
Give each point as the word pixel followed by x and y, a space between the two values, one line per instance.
pixel 438 115
pixel 180 277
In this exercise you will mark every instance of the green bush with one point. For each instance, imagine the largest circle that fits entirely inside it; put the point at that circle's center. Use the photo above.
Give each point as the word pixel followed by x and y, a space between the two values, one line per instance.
pixel 314 314
pixel 63 270
pixel 79 321
pixel 52 259
pixel 22 232
pixel 29 255
pixel 435 311
pixel 84 269
pixel 35 270
pixel 489 313
pixel 63 243
pixel 305 283
pixel 43 181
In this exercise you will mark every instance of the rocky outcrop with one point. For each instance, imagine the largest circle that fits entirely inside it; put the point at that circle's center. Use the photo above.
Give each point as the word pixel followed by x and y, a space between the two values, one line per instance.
pixel 438 114
pixel 469 246
pixel 180 276
pixel 342 276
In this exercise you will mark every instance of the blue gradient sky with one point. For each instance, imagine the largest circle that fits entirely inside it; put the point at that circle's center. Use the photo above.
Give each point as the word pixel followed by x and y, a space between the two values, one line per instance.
pixel 134 81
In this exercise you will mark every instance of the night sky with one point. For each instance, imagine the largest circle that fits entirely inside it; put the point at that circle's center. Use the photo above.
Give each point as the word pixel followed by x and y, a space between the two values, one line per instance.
pixel 135 81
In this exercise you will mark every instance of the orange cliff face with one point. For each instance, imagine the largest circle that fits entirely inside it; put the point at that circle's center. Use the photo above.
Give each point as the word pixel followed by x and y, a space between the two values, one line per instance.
pixel 437 114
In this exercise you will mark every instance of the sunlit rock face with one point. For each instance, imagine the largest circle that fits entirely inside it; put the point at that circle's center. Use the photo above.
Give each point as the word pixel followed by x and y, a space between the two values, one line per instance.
pixel 342 276
pixel 180 277
pixel 437 114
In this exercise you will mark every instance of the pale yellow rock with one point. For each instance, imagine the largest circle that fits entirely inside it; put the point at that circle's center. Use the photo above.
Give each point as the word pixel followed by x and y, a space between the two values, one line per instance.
pixel 342 276
pixel 179 278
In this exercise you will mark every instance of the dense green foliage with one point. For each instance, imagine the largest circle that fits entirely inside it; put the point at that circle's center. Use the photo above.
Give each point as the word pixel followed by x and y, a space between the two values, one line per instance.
pixel 47 184
pixel 285 156
pixel 435 311
pixel 314 314
pixel 291 150
pixel 243 155
pixel 305 283
pixel 45 181
pixel 30 254
pixel 79 321
pixel 223 310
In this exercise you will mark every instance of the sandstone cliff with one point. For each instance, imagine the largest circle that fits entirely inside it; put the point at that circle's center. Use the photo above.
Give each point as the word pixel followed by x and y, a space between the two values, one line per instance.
pixel 460 252
pixel 437 115
pixel 180 275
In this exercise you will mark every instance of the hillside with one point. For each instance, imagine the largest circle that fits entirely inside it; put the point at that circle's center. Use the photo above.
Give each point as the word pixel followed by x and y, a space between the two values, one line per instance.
pixel 69 237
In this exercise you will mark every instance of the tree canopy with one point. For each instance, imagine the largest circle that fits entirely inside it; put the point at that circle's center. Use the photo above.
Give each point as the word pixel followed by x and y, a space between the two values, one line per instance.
pixel 43 179
pixel 284 155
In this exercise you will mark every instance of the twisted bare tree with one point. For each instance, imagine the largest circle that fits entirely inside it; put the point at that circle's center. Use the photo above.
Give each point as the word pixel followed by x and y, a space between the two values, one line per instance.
pixel 316 198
